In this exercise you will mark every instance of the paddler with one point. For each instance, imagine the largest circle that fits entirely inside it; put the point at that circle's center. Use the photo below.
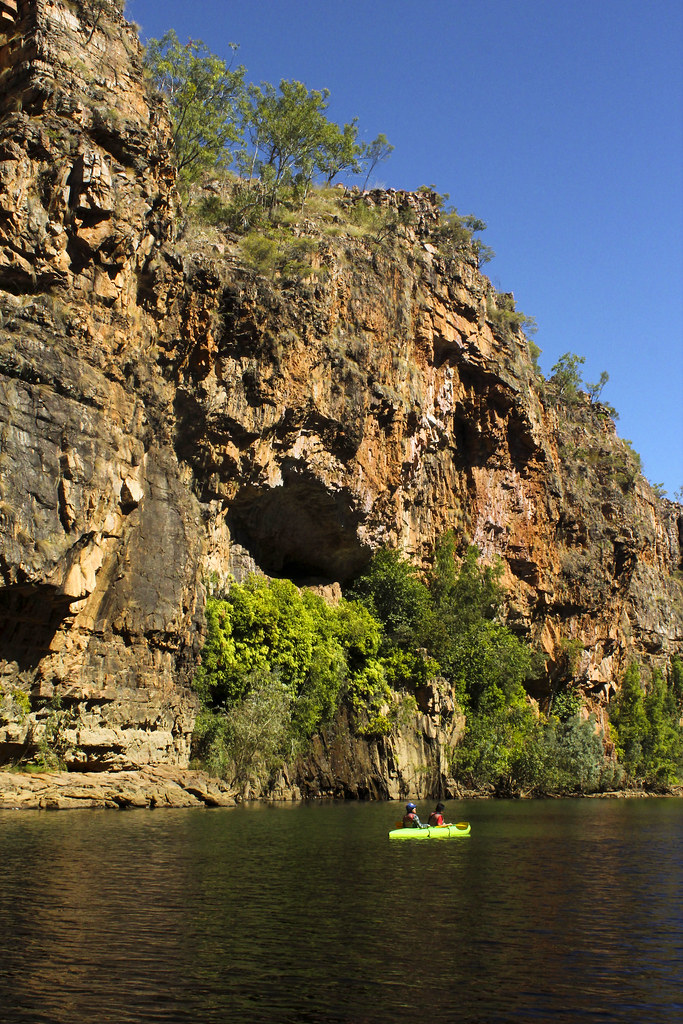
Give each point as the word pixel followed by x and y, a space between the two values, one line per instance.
pixel 436 817
pixel 410 818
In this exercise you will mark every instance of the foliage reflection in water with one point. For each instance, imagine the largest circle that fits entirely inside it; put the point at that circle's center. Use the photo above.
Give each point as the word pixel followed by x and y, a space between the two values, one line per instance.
pixel 562 910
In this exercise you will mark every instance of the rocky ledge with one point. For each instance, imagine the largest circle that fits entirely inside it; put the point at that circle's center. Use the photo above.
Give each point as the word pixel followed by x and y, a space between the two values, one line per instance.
pixel 152 786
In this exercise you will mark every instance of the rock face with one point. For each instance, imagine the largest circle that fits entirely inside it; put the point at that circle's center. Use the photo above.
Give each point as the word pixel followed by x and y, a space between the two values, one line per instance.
pixel 152 786
pixel 384 401
pixel 166 412
pixel 410 763
pixel 100 545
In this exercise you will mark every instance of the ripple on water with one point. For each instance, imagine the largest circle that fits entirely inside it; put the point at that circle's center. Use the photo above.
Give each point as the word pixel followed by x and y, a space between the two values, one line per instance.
pixel 550 910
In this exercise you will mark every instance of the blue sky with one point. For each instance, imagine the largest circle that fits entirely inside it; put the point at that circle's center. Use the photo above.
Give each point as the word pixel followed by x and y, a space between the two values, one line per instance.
pixel 560 124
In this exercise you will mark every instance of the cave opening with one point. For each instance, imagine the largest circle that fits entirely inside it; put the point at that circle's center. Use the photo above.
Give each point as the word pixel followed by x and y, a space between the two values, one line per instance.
pixel 300 531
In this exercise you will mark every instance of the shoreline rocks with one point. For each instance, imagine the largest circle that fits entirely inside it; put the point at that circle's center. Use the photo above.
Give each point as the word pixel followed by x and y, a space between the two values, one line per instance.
pixel 149 787
pixel 159 786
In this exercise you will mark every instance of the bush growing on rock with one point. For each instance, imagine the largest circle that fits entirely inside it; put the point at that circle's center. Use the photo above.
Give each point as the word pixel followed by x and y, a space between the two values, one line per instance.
pixel 205 98
pixel 646 724
pixel 284 658
pixel 279 135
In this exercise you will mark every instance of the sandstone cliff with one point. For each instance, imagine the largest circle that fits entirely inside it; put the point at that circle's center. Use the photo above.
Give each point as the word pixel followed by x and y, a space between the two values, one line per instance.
pixel 169 412
pixel 100 540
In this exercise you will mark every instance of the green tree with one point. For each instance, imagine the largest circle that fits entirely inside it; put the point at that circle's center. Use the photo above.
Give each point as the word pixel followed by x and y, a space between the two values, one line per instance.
pixel 374 153
pixel 649 738
pixel 205 99
pixel 288 132
pixel 663 739
pixel 566 376
pixel 578 754
pixel 339 151
pixel 535 354
pixel 488 665
pixel 466 593
pixel 595 390
pixel 483 252
pixel 455 235
pixel 247 744
pixel 627 716
pixel 503 313
pixel 394 591
pixel 676 681
pixel 283 658
pixel 501 750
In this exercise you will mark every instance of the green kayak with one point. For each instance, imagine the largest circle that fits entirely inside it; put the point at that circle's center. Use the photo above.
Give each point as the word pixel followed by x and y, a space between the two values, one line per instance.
pixel 434 832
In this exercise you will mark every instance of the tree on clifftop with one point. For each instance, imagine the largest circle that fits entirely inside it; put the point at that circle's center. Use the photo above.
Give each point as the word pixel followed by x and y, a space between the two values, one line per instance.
pixel 288 130
pixel 277 135
pixel 205 99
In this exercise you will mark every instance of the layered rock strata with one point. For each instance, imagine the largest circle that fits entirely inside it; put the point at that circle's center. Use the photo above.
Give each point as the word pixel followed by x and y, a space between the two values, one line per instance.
pixel 100 543
pixel 154 786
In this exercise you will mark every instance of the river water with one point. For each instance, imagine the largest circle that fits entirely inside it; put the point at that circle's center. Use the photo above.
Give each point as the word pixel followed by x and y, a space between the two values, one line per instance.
pixel 557 911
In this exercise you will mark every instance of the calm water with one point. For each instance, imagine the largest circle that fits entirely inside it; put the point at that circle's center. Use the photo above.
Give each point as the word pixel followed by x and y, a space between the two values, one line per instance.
pixel 551 911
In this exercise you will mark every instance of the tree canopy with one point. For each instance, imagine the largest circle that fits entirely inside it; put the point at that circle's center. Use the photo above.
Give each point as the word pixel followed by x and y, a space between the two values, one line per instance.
pixel 278 662
pixel 205 99
pixel 280 134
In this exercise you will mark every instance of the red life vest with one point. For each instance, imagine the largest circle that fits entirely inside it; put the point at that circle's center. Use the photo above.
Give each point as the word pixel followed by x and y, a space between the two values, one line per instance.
pixel 409 820
pixel 436 818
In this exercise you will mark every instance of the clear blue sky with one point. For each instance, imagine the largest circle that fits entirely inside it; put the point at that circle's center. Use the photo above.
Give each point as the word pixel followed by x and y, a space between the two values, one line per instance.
pixel 558 122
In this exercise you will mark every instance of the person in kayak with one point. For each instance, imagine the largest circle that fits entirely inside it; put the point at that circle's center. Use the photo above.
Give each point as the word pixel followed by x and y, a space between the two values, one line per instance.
pixel 436 817
pixel 410 818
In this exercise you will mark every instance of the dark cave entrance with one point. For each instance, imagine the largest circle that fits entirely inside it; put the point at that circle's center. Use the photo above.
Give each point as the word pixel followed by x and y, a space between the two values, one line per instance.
pixel 300 531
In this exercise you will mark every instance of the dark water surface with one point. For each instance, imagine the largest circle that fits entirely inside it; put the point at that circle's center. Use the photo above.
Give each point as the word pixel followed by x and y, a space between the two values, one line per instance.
pixel 551 911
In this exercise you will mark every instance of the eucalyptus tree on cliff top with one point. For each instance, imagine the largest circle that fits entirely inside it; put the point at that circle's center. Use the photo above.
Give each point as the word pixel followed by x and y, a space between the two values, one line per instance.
pixel 281 135
pixel 205 99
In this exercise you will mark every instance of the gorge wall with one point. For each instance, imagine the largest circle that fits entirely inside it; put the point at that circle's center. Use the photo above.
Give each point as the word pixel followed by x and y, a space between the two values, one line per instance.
pixel 169 414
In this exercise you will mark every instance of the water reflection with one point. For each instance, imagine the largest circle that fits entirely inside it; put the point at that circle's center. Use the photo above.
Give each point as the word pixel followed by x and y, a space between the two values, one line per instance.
pixel 557 910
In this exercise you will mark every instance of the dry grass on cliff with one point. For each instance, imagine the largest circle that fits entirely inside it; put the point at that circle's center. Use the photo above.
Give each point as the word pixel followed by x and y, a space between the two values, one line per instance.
pixel 226 215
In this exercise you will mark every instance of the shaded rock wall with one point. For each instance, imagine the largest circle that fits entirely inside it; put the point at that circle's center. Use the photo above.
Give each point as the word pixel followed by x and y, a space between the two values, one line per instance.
pixel 167 412
pixel 412 761
pixel 99 535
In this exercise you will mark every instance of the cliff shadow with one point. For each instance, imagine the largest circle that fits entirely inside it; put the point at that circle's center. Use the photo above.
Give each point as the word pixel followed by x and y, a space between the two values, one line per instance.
pixel 30 615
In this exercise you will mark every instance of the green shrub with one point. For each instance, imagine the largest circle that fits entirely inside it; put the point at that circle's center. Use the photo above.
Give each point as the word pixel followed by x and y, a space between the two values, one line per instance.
pixel 278 253
pixel 395 591
pixel 54 746
pixel 566 379
pixel 270 646
pixel 512 751
pixel 260 252
pixel 535 354
pixel 647 730
pixel 278 662
pixel 295 262
pixel 508 320
pixel 454 236
pixel 578 752
pixel 566 703
pixel 247 745
pixel 627 464
pixel 500 750
pixel 20 702
pixel 212 210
